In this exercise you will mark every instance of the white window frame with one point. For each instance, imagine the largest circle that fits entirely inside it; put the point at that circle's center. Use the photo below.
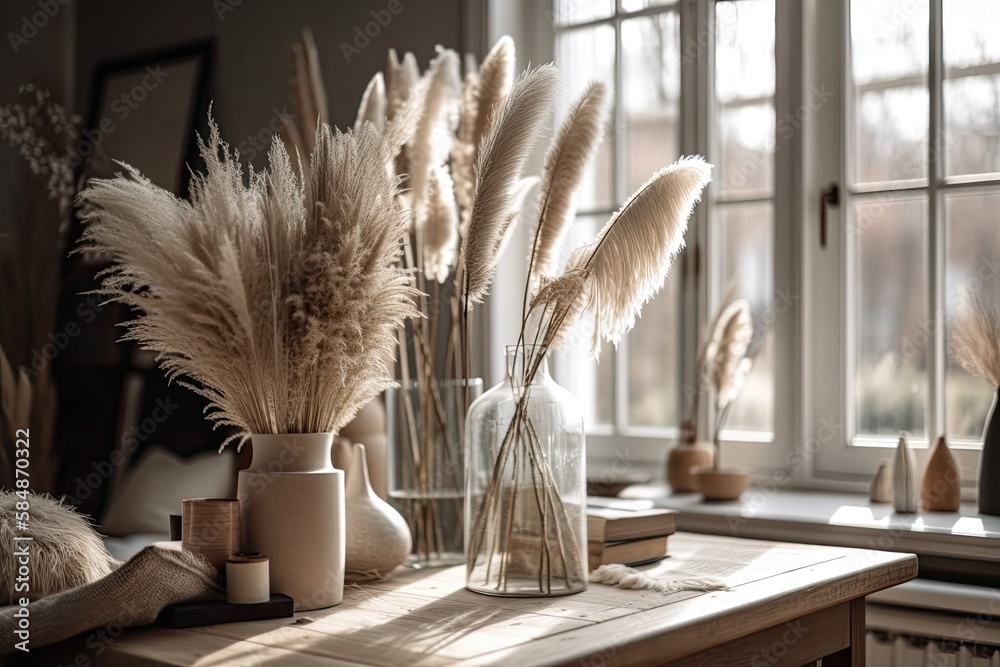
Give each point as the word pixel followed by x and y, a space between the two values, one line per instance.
pixel 845 460
pixel 811 442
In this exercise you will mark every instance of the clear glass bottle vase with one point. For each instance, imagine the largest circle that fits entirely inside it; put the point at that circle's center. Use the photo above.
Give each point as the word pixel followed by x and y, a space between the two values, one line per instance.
pixel 525 503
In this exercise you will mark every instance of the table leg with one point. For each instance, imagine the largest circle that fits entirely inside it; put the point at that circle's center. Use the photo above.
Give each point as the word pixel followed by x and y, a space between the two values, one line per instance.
pixel 853 655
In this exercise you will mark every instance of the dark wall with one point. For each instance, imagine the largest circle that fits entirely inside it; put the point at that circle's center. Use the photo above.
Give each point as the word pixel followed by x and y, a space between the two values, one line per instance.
pixel 253 38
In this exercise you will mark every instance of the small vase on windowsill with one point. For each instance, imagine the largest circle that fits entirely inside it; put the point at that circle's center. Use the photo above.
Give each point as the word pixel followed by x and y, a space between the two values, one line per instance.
pixel 989 466
pixel 685 456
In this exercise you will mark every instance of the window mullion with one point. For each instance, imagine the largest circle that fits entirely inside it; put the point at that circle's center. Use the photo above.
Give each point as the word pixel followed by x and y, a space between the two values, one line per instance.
pixel 620 410
pixel 935 221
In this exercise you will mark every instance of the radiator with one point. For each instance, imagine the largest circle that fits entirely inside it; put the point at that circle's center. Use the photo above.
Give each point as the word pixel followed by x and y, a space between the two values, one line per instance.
pixel 929 624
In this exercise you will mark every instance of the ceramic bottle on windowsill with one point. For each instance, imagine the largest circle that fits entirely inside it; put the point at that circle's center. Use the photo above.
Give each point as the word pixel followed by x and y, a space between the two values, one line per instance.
pixel 989 466
pixel 688 453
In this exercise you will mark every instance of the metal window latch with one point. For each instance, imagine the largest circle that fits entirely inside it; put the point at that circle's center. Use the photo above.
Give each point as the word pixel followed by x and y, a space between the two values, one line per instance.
pixel 827 196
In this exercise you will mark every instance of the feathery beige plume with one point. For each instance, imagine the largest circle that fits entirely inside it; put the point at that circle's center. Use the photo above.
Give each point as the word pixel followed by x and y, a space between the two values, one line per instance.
pixel 518 197
pixel 440 226
pixel 401 77
pixel 506 147
pixel 495 79
pixel 975 337
pixel 726 354
pixel 630 258
pixel 463 150
pixel 308 94
pixel 432 140
pixel 280 299
pixel 579 136
pixel 372 107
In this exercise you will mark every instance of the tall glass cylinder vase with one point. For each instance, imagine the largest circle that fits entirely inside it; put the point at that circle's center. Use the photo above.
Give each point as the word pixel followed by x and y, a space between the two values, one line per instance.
pixel 526 485
pixel 425 429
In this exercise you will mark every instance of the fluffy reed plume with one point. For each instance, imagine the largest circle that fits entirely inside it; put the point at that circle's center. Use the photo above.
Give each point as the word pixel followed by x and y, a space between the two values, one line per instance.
pixel 431 143
pixel 308 95
pixel 372 107
pixel 440 226
pixel 975 337
pixel 463 149
pixel 280 300
pixel 629 260
pixel 726 355
pixel 574 146
pixel 401 77
pixel 495 79
pixel 518 196
pixel 506 147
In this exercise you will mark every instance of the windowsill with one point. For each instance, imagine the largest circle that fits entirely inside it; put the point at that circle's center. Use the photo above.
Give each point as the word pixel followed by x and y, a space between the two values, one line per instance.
pixel 838 519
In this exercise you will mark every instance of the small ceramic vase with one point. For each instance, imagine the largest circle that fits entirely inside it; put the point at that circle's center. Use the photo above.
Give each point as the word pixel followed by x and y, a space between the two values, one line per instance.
pixel 904 485
pixel 942 487
pixel 881 488
pixel 377 537
pixel 989 467
pixel 684 456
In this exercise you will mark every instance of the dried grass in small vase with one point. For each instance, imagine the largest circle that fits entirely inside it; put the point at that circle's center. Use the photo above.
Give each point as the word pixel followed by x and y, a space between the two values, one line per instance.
pixel 975 344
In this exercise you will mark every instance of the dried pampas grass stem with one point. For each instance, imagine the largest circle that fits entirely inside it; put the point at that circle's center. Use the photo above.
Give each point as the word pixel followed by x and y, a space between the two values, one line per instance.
pixel 975 338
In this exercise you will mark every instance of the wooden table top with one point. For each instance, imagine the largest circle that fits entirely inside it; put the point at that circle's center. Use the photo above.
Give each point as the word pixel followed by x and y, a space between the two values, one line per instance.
pixel 428 618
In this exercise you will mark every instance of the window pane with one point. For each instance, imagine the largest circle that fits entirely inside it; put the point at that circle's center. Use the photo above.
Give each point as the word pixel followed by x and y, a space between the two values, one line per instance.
pixel 972 124
pixel 653 368
pixel 591 382
pixel 744 51
pixel 579 11
pixel 635 5
pixel 744 89
pixel 973 227
pixel 891 327
pixel 888 39
pixel 890 140
pixel 651 94
pixel 583 56
pixel 746 140
pixel 746 244
pixel 970 32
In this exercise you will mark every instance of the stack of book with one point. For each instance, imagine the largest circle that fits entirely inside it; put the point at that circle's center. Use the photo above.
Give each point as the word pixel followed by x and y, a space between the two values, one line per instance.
pixel 620 534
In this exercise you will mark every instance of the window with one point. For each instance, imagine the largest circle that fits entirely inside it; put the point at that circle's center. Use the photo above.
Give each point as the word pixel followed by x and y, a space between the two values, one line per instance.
pixel 897 103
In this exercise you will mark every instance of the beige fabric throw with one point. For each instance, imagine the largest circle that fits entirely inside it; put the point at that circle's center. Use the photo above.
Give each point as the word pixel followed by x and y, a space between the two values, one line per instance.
pixel 134 594
pixel 627 577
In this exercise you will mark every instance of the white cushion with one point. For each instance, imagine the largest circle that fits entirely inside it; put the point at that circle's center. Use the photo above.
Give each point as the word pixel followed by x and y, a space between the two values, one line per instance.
pixel 153 489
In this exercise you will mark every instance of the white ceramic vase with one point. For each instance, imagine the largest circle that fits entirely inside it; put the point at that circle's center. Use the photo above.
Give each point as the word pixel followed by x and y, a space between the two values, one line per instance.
pixel 378 539
pixel 292 510
pixel 905 494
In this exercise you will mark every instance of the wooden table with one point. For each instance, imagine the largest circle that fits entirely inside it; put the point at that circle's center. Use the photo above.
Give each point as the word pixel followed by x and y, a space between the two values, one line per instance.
pixel 788 604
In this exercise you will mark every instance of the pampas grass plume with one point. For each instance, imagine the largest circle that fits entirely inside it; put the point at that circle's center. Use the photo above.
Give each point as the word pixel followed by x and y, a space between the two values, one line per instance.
pixel 975 338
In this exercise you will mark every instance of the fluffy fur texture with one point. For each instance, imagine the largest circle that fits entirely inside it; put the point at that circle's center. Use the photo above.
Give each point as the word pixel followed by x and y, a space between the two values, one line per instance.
pixel 630 258
pixel 280 299
pixel 372 107
pixel 975 338
pixel 579 136
pixel 505 149
pixel 66 552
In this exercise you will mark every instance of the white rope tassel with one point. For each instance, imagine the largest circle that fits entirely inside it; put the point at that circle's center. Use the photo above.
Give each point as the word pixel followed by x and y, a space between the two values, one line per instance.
pixel 627 577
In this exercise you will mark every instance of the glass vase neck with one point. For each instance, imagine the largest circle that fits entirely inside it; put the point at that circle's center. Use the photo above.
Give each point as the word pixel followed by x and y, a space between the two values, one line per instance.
pixel 522 359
